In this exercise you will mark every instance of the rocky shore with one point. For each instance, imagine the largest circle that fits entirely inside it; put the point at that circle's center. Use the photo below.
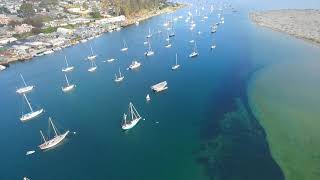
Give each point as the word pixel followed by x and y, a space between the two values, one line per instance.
pixel 304 23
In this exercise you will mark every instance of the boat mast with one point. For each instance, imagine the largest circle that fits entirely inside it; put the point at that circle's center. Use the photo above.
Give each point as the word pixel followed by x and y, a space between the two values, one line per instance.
pixel 91 50
pixel 65 57
pixel 125 44
pixel 176 59
pixel 119 73
pixel 66 79
pixel 54 128
pixel 44 139
pixel 137 115
pixel 131 110
pixel 28 102
pixel 23 80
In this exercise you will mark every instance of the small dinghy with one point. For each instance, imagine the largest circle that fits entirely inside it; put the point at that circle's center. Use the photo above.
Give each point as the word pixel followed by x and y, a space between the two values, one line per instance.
pixel 30 152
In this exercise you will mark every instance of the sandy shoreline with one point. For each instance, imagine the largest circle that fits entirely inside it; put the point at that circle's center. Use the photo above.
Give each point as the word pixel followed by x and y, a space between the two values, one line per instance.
pixel 303 24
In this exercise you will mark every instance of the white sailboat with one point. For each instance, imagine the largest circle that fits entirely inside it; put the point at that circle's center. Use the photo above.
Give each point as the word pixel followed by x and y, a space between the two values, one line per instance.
pixel 111 60
pixel 119 78
pixel 149 35
pixel 24 89
pixel 92 56
pixel 172 33
pixel 168 45
pixel 176 66
pixel 125 46
pixel 32 114
pixel 134 65
pixel 67 68
pixel 194 52
pixel 149 51
pixel 69 86
pixel 58 138
pixel 93 66
pixel 135 118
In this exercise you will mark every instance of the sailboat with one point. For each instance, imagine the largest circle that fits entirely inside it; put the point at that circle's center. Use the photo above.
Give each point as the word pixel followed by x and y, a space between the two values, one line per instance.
pixel 32 114
pixel 119 78
pixel 176 66
pixel 93 66
pixel 149 51
pixel 92 56
pixel 149 35
pixel 125 46
pixel 111 60
pixel 194 53
pixel 69 86
pixel 172 32
pixel 135 118
pixel 67 68
pixel 24 89
pixel 58 138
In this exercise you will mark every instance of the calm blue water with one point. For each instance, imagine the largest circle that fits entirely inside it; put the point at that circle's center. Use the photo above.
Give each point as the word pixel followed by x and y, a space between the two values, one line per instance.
pixel 100 149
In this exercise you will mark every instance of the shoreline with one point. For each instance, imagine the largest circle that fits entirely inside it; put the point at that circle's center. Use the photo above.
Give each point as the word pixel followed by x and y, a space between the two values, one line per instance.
pixel 299 23
pixel 142 16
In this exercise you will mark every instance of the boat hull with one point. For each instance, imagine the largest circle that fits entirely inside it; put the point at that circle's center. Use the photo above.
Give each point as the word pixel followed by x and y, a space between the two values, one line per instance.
pixel 131 124
pixel 25 89
pixel 31 115
pixel 92 69
pixel 68 69
pixel 53 142
pixel 68 88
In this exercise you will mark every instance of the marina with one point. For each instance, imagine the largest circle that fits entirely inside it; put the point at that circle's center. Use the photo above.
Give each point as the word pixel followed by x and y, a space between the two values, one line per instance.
pixel 113 135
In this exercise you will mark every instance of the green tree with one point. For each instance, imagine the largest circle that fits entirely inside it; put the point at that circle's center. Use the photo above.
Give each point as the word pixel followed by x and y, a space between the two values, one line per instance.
pixel 26 10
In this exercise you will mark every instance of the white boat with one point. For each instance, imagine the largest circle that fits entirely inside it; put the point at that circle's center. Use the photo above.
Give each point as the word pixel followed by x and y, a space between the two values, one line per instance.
pixel 205 17
pixel 83 40
pixel 119 78
pixel 149 35
pixel 111 60
pixel 137 23
pixel 2 67
pixel 160 86
pixel 191 41
pixel 24 89
pixel 125 46
pixel 25 178
pixel 176 66
pixel 30 152
pixel 48 52
pixel 149 51
pixel 194 52
pixel 145 43
pixel 67 68
pixel 213 46
pixel 135 118
pixel 148 97
pixel 32 114
pixel 169 45
pixel 135 65
pixel 92 56
pixel 180 17
pixel 58 138
pixel 93 66
pixel 69 86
